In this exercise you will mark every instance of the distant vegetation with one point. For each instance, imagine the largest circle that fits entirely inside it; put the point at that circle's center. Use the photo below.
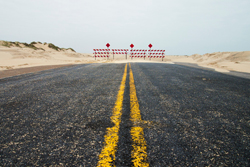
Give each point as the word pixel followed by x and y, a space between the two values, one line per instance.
pixel 9 44
pixel 52 46
pixel 32 45
pixel 71 49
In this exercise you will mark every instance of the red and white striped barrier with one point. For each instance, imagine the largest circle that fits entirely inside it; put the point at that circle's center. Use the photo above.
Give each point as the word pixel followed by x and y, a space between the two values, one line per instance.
pixel 101 50
pixel 134 53
pixel 101 53
pixel 156 56
pixel 101 56
pixel 119 53
pixel 138 53
pixel 156 53
pixel 119 50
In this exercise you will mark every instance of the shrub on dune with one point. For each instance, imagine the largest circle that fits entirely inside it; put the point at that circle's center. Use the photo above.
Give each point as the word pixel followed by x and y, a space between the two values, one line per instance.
pixel 52 46
pixel 6 44
pixel 32 45
pixel 71 49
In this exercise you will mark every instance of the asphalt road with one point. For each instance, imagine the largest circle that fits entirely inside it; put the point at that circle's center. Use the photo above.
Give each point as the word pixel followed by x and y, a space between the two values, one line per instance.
pixel 61 117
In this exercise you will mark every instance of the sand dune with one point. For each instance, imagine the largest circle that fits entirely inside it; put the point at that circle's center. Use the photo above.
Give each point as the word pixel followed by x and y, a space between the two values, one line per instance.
pixel 232 61
pixel 14 57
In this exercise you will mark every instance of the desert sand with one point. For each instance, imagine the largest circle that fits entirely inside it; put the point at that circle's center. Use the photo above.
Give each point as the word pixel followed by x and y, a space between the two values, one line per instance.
pixel 16 57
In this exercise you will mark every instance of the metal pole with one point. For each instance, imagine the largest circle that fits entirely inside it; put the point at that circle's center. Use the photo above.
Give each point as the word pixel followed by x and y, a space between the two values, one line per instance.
pixel 107 51
pixel 131 53
pixel 150 54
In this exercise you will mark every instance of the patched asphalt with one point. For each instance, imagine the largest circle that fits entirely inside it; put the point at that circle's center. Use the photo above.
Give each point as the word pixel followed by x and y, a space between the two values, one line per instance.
pixel 192 116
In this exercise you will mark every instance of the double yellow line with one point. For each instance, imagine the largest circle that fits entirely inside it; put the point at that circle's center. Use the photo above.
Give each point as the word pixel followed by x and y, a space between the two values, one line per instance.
pixel 139 152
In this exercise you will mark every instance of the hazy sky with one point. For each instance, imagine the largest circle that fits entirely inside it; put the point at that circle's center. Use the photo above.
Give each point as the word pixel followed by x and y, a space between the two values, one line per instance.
pixel 181 27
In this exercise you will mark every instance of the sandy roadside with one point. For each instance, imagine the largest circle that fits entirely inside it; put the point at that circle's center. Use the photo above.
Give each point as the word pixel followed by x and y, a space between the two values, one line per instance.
pixel 15 72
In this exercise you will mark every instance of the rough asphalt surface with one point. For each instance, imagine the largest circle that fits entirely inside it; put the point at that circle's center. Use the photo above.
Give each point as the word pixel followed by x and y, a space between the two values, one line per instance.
pixel 193 117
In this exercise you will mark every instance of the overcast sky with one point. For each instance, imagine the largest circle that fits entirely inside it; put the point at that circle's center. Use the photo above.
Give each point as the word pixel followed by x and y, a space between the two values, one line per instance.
pixel 181 27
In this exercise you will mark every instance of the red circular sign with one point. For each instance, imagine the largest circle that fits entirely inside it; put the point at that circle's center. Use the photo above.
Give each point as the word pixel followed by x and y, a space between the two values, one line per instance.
pixel 150 45
pixel 131 45
pixel 108 45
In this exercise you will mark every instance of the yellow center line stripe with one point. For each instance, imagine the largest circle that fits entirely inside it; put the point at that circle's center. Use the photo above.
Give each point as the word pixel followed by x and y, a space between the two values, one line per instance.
pixel 107 156
pixel 139 152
